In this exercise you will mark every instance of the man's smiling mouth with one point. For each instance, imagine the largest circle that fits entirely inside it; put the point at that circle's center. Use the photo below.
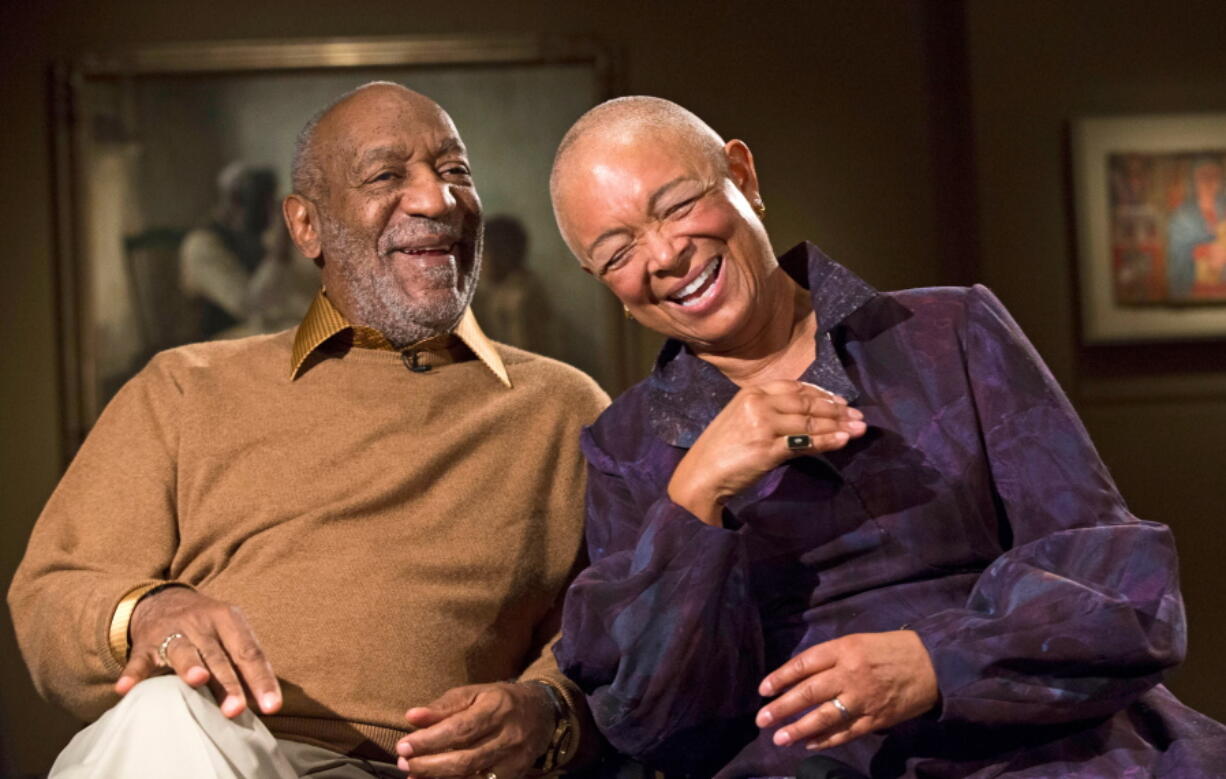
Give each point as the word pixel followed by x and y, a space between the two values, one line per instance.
pixel 432 251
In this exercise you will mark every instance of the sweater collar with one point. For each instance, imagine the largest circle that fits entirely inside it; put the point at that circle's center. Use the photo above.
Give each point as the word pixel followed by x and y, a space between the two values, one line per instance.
pixel 323 322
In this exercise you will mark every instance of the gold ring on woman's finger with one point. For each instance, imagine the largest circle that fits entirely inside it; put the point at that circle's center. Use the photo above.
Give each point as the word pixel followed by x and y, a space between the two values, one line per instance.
pixel 838 704
pixel 491 775
pixel 798 443
pixel 166 642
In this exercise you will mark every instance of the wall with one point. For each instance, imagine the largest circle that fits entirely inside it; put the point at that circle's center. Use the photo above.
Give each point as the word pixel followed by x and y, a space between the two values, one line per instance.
pixel 1157 413
pixel 846 105
pixel 830 95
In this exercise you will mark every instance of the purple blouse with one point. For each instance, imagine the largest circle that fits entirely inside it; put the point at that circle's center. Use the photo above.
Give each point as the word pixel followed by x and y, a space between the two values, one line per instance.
pixel 974 511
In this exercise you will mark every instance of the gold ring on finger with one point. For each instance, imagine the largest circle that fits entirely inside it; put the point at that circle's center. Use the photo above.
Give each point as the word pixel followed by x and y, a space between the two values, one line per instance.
pixel 166 642
pixel 798 443
pixel 838 704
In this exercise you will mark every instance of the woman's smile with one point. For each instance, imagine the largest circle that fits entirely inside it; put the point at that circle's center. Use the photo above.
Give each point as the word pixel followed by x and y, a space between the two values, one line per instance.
pixel 699 294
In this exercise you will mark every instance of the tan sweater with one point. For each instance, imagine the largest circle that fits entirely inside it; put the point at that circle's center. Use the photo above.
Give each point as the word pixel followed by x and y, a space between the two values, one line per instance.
pixel 389 534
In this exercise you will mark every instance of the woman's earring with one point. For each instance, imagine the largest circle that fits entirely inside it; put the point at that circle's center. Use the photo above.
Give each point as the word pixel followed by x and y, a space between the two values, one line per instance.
pixel 626 312
pixel 759 208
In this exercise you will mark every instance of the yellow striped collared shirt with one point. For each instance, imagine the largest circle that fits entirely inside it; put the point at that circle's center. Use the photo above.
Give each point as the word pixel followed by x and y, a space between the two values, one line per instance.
pixel 323 322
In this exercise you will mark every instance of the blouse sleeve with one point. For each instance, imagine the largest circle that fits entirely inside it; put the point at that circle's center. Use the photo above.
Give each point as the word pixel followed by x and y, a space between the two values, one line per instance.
pixel 1082 613
pixel 661 631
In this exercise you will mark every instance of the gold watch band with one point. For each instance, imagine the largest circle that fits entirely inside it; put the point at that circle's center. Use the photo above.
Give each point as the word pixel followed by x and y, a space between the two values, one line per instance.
pixel 562 740
pixel 117 636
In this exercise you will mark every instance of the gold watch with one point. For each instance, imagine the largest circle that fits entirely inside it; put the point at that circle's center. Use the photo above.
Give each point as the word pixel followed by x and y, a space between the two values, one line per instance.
pixel 561 742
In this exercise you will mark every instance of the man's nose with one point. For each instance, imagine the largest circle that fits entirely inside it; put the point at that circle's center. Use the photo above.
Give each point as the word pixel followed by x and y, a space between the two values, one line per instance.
pixel 427 194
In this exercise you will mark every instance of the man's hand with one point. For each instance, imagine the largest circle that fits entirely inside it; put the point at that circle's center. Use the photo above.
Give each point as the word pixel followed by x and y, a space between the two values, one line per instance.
pixel 478 729
pixel 748 438
pixel 217 647
pixel 881 679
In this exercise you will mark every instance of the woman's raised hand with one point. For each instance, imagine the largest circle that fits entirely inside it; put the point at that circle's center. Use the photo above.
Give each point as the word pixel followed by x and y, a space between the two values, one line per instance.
pixel 750 437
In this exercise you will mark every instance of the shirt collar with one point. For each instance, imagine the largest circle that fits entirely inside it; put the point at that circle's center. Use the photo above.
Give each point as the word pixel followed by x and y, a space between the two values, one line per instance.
pixel 688 392
pixel 323 322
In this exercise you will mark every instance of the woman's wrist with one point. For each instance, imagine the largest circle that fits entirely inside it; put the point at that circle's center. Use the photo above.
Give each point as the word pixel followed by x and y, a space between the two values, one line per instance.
pixel 701 503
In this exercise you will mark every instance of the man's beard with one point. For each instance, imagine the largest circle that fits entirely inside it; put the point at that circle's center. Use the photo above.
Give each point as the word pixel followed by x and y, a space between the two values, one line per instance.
pixel 375 294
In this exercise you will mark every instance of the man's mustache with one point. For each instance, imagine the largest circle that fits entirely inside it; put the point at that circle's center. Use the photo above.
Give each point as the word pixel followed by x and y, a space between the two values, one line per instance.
pixel 418 232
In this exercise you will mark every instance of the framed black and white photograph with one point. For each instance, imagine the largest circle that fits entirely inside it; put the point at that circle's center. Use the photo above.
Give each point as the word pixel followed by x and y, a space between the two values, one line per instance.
pixel 172 161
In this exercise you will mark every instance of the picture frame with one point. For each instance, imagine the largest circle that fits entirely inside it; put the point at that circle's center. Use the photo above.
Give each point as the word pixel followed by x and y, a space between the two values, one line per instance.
pixel 150 141
pixel 1150 204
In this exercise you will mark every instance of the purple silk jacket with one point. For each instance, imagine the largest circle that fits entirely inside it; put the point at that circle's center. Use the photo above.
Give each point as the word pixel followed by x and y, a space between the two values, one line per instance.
pixel 975 511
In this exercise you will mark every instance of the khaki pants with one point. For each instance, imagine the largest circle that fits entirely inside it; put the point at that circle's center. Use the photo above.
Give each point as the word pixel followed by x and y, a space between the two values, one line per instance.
pixel 164 728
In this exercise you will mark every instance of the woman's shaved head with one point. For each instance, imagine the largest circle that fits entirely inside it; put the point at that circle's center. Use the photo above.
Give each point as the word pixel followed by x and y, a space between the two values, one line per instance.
pixel 639 119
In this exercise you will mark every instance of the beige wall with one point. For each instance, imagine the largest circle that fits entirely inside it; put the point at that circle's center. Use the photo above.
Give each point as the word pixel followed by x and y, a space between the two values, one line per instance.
pixel 834 99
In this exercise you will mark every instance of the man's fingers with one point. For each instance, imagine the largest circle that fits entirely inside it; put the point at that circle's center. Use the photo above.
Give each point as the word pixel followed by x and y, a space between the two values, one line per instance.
pixel 185 661
pixel 139 668
pixel 465 729
pixel 473 761
pixel 451 702
pixel 233 700
pixel 240 644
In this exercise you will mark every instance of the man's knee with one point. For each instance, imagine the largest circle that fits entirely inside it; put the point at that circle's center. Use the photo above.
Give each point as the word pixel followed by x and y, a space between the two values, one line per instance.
pixel 162 693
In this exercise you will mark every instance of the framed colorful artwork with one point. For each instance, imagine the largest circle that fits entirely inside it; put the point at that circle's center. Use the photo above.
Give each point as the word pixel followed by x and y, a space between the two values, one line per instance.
pixel 1151 227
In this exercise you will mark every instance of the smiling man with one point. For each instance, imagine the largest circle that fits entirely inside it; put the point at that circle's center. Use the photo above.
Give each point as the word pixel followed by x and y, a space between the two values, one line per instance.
pixel 339 550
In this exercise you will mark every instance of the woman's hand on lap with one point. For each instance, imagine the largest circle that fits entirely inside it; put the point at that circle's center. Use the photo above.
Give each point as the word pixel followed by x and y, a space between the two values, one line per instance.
pixel 879 679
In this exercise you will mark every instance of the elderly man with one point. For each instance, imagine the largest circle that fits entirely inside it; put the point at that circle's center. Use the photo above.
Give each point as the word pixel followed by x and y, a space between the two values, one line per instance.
pixel 841 521
pixel 361 528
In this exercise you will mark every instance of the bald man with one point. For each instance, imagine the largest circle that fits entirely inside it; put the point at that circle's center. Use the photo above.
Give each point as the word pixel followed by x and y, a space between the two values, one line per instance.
pixel 336 551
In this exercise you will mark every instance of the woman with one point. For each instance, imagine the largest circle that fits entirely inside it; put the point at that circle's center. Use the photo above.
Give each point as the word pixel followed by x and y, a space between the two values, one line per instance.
pixel 842 520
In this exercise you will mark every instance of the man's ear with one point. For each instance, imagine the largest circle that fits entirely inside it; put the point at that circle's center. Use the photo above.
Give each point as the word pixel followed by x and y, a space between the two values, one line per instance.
pixel 302 220
pixel 741 169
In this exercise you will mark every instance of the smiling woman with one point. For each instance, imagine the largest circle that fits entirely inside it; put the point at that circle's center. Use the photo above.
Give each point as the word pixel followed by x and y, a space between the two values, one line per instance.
pixel 840 520
pixel 673 213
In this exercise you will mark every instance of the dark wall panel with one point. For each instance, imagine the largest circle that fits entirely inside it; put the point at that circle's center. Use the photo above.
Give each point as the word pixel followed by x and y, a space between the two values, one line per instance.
pixel 1157 413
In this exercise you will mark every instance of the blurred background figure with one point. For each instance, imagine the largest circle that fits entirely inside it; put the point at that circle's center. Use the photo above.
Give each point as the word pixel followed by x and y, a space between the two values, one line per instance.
pixel 511 303
pixel 239 266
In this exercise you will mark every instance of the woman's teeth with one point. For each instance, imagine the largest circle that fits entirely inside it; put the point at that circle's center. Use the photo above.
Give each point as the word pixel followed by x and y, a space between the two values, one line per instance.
pixel 689 295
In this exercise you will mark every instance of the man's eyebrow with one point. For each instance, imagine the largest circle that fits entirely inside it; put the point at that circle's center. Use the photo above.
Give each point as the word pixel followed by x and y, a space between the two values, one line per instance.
pixel 652 204
pixel 450 145
pixel 379 154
